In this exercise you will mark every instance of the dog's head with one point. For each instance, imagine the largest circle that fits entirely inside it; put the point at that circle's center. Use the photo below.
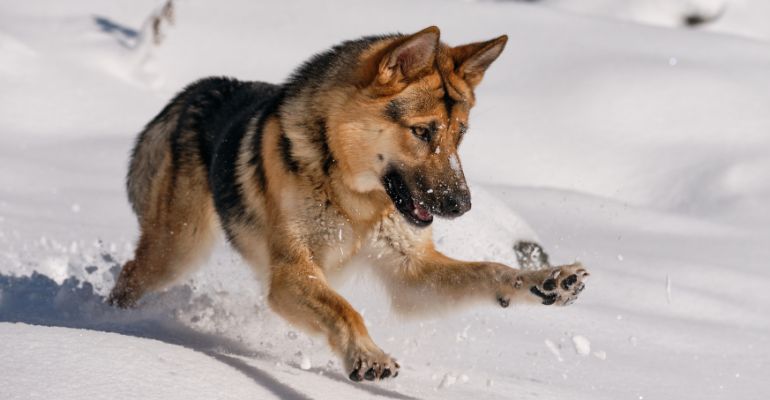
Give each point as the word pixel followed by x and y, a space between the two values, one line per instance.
pixel 402 126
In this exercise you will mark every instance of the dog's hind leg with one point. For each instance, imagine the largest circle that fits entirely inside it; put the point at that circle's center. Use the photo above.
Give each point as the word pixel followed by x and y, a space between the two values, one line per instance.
pixel 177 233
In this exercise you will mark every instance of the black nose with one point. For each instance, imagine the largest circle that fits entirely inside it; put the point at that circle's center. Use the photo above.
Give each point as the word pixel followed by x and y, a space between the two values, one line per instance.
pixel 456 205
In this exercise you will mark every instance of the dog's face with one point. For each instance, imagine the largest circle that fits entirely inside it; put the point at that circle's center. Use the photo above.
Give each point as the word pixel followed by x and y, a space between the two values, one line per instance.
pixel 412 117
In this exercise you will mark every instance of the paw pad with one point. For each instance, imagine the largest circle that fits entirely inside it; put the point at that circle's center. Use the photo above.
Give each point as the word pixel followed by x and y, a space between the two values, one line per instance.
pixel 562 285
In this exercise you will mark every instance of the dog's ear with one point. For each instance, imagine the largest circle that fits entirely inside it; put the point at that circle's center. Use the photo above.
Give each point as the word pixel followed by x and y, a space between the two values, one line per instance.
pixel 410 57
pixel 473 59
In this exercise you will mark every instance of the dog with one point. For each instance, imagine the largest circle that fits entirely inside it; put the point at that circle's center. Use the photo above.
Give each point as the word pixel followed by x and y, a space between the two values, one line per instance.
pixel 353 155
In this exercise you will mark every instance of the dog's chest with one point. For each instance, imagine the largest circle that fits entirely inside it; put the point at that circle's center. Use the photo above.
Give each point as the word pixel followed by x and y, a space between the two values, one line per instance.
pixel 332 238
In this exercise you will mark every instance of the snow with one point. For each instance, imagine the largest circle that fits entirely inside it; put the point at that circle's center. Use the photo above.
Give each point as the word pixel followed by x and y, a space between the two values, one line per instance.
pixel 305 363
pixel 582 345
pixel 73 362
pixel 640 150
pixel 737 17
pixel 554 349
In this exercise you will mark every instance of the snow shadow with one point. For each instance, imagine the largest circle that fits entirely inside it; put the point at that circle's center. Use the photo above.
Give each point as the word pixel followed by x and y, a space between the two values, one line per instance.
pixel 39 300
pixel 125 35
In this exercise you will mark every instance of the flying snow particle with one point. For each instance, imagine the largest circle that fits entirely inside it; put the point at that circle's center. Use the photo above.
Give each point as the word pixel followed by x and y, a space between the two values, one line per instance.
pixel 673 61
pixel 602 355
pixel 620 257
pixel 305 363
pixel 464 378
pixel 668 289
pixel 454 163
pixel 75 208
pixel 582 345
pixel 554 349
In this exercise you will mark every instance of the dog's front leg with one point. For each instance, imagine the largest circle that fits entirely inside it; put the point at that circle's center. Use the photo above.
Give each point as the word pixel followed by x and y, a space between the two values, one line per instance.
pixel 299 292
pixel 421 279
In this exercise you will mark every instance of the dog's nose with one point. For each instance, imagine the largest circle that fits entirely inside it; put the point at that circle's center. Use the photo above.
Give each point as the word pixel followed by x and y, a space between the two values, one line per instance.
pixel 456 205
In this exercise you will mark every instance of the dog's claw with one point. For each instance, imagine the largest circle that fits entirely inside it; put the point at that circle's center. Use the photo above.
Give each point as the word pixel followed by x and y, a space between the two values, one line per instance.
pixel 355 376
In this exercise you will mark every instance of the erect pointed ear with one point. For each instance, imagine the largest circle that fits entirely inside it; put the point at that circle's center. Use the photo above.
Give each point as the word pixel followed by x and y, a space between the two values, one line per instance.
pixel 411 56
pixel 474 59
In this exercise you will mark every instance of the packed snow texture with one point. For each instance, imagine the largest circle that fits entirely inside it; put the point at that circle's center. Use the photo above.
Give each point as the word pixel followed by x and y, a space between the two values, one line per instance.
pixel 643 151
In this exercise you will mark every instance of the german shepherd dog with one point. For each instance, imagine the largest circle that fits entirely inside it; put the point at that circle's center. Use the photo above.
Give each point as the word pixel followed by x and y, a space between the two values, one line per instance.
pixel 353 155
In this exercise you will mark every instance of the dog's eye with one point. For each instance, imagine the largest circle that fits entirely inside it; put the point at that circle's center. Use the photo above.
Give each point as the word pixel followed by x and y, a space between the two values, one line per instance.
pixel 422 132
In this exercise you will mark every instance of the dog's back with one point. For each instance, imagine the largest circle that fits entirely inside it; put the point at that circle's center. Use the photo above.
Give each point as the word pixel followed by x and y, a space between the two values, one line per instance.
pixel 190 129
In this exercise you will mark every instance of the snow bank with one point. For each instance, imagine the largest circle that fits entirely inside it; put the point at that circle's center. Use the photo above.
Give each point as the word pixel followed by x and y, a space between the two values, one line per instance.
pixel 60 363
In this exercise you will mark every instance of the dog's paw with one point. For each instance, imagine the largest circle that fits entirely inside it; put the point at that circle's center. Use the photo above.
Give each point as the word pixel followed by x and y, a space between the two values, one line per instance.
pixel 372 365
pixel 559 285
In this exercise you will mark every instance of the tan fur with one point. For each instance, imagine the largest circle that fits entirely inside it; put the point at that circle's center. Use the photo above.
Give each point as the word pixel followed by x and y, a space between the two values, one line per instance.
pixel 306 226
pixel 177 234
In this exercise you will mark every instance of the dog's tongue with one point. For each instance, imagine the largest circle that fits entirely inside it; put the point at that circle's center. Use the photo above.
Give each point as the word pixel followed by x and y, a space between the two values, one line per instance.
pixel 421 213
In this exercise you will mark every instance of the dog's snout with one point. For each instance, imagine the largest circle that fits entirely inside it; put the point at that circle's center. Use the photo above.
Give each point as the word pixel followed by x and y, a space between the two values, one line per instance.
pixel 456 205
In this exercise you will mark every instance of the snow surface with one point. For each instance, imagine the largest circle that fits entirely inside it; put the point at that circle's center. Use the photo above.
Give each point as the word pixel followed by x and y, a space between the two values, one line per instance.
pixel 642 151
pixel 747 18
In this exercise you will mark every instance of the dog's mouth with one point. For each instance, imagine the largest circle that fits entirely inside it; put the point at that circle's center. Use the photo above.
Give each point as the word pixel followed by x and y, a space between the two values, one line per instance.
pixel 413 210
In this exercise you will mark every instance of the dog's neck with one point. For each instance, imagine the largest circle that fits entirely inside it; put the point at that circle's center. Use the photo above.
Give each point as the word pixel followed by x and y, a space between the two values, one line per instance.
pixel 317 167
